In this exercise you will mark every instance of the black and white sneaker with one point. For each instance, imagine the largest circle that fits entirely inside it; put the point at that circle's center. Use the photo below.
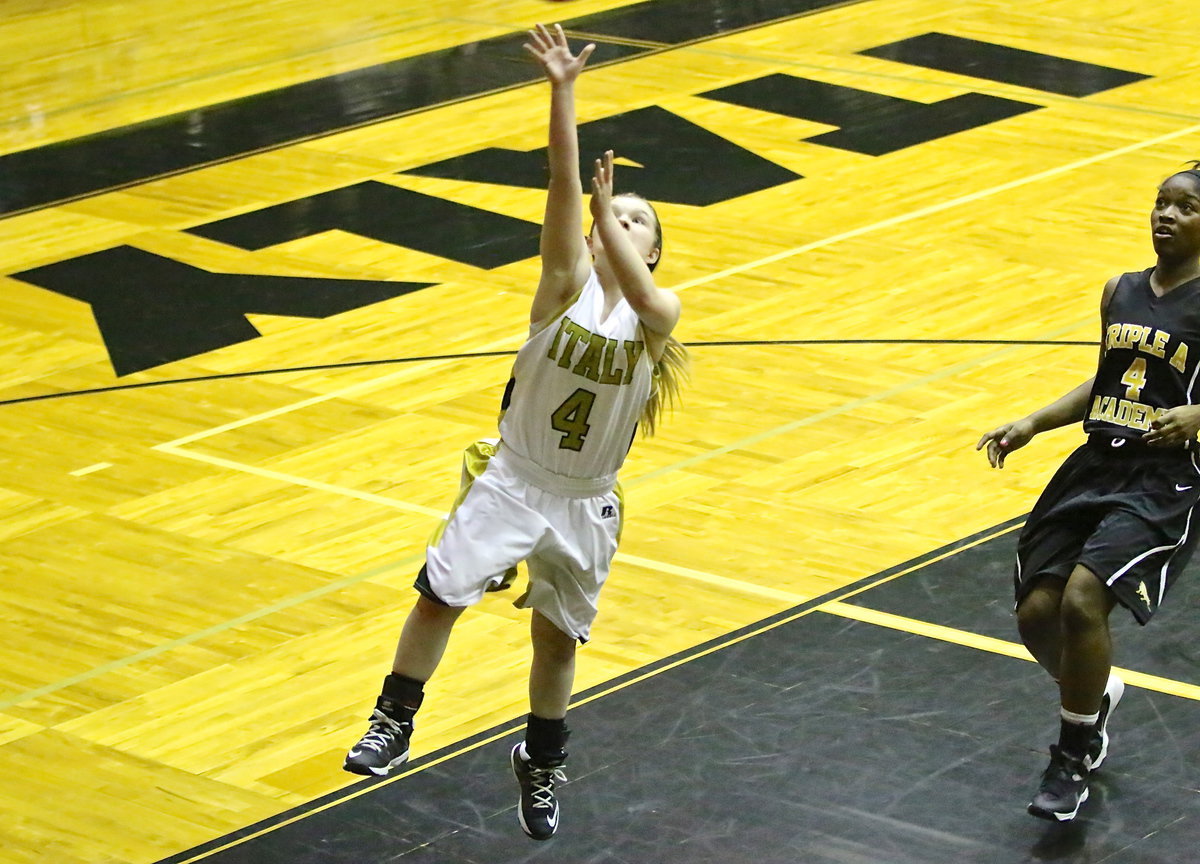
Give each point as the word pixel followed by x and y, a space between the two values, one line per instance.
pixel 1064 788
pixel 538 808
pixel 1098 751
pixel 384 747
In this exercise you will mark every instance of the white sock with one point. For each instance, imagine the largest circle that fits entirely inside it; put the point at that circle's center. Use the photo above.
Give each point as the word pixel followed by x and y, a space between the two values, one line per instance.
pixel 1080 719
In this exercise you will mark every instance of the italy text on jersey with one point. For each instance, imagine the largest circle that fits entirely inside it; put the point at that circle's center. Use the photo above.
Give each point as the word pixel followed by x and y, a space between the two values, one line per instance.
pixel 603 360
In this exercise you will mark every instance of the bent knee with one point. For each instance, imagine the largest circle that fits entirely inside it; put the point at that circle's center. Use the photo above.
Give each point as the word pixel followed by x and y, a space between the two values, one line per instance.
pixel 1086 601
pixel 549 641
pixel 1042 605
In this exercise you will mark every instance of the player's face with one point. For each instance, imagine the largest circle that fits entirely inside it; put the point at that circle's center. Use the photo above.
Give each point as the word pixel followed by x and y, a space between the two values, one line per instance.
pixel 639 221
pixel 1175 219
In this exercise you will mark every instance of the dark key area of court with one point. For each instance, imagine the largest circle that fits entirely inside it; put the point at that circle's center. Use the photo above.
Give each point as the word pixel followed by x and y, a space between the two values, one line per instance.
pixel 821 740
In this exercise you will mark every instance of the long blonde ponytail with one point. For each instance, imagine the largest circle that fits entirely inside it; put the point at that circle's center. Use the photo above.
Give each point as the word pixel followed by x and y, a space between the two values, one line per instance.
pixel 666 384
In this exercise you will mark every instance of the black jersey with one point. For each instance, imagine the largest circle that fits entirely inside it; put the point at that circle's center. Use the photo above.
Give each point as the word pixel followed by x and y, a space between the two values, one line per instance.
pixel 1151 357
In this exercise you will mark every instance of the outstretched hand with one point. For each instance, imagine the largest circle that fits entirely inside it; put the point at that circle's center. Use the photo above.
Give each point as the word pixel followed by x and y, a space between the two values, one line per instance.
pixel 602 186
pixel 551 50
pixel 1004 439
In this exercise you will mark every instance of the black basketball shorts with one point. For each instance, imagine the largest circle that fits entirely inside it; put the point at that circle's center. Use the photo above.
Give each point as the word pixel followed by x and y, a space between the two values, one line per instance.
pixel 1125 511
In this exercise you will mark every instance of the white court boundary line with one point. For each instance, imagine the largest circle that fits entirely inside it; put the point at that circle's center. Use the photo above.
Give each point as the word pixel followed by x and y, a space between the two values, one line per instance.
pixel 176 447
pixel 938 208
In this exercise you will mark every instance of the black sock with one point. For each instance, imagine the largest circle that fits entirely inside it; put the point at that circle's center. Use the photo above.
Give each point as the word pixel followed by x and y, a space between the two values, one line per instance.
pixel 546 741
pixel 1075 738
pixel 401 697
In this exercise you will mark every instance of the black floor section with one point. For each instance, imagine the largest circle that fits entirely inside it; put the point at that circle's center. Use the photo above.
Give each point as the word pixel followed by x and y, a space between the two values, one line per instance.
pixel 70 169
pixel 977 59
pixel 821 741
pixel 972 591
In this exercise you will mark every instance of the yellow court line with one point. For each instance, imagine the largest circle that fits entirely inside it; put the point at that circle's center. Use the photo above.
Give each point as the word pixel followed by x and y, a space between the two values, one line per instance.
pixel 728 639
pixel 357 793
pixel 834 607
pixel 939 632
pixel 995 646
pixel 924 628
pixel 790 597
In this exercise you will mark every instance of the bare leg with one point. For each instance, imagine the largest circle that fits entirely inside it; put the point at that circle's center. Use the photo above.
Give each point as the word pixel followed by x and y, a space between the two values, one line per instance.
pixel 418 652
pixel 1039 620
pixel 423 639
pixel 552 674
pixel 1087 642
pixel 1083 665
pixel 537 762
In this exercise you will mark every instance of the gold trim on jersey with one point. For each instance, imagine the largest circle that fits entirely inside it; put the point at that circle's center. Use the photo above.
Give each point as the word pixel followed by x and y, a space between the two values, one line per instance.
pixel 475 461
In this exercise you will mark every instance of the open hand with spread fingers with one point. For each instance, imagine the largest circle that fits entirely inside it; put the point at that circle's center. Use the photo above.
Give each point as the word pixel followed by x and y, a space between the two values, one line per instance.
pixel 551 50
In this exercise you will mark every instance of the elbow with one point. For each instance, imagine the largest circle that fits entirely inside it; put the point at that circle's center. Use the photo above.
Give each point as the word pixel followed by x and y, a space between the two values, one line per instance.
pixel 640 303
pixel 654 314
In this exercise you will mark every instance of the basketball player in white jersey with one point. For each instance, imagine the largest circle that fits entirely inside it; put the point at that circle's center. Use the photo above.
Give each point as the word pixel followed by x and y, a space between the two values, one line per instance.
pixel 600 359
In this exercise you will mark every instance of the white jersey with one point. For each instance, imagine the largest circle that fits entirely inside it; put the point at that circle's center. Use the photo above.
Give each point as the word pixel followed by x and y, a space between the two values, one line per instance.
pixel 579 387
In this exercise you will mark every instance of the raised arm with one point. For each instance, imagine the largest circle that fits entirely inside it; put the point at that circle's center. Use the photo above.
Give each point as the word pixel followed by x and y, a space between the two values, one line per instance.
pixel 565 258
pixel 657 308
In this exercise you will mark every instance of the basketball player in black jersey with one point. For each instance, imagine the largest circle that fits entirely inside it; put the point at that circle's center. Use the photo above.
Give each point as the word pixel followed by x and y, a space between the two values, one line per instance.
pixel 1118 521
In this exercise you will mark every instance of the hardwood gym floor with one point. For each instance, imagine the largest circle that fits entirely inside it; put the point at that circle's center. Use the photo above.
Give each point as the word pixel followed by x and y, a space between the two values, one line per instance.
pixel 265 267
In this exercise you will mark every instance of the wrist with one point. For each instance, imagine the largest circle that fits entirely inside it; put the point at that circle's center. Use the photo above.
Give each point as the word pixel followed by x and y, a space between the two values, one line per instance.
pixel 605 220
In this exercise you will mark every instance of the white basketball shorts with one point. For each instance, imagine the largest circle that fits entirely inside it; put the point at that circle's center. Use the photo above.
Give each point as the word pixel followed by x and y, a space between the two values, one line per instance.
pixel 567 536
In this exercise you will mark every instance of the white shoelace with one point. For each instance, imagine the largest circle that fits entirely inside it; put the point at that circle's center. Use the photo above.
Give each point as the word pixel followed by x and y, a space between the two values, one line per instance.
pixel 542 780
pixel 383 729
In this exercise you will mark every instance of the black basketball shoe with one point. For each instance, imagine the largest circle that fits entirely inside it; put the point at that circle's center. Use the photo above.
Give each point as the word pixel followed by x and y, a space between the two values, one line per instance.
pixel 384 747
pixel 538 808
pixel 1064 787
